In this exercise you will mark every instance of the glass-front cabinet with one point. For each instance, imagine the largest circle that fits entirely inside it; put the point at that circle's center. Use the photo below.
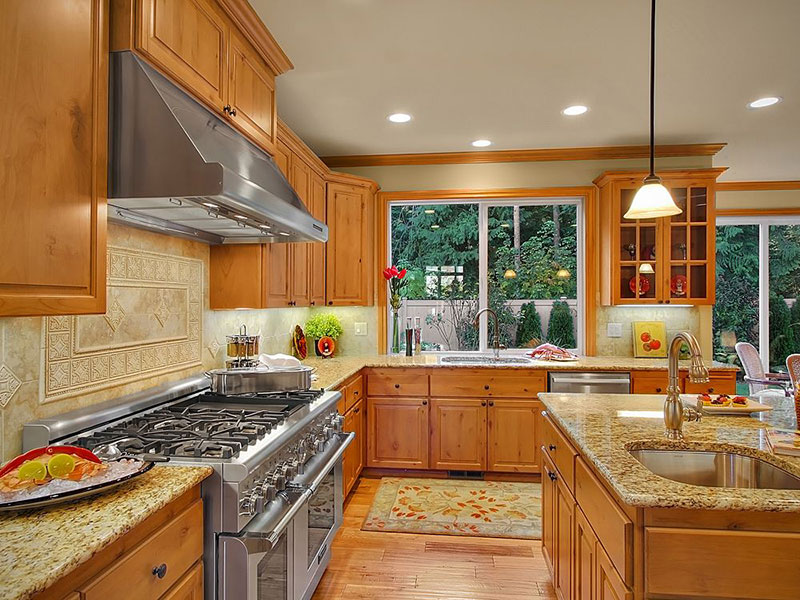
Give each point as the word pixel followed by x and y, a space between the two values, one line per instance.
pixel 669 260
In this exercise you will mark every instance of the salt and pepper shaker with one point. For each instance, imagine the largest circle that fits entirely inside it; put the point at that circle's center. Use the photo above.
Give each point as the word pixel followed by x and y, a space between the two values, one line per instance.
pixel 417 336
pixel 409 338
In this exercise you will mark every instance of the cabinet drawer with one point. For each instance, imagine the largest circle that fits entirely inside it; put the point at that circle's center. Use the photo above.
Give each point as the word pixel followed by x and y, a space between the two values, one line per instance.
pixel 354 392
pixel 649 383
pixel 190 587
pixel 487 383
pixel 177 545
pixel 397 382
pixel 612 526
pixel 717 384
pixel 560 451
pixel 756 565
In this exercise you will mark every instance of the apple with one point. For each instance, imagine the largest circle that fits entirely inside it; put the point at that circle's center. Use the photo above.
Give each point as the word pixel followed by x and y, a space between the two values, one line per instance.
pixel 646 337
pixel 646 346
pixel 655 344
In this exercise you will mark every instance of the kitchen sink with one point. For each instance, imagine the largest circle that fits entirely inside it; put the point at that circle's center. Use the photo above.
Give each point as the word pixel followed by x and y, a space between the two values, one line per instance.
pixel 716 469
pixel 484 359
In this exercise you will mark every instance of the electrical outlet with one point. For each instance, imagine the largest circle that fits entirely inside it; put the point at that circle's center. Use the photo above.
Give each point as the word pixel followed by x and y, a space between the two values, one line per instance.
pixel 361 329
pixel 614 330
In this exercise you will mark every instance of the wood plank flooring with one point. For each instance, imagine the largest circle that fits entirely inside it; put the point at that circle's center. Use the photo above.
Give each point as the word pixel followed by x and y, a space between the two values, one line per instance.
pixel 404 566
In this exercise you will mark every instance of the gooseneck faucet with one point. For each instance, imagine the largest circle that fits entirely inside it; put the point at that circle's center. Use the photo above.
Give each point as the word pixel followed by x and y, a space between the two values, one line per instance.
pixel 675 413
pixel 496 340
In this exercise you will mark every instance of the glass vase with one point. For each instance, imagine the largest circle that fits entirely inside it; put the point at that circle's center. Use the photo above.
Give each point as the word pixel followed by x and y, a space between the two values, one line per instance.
pixel 395 332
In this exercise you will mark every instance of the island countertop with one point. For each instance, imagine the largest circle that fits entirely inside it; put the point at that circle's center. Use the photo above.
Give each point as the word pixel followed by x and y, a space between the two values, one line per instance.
pixel 331 372
pixel 42 545
pixel 603 427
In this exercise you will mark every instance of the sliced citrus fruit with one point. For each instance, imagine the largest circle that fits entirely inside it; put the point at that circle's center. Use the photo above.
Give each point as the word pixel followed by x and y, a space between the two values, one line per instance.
pixel 33 469
pixel 61 465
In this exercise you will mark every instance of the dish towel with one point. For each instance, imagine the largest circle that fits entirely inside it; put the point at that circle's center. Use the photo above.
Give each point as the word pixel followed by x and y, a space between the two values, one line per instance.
pixel 278 360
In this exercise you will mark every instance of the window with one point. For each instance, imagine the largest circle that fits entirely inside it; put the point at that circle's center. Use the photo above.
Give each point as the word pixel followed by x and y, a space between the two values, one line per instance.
pixel 758 283
pixel 521 258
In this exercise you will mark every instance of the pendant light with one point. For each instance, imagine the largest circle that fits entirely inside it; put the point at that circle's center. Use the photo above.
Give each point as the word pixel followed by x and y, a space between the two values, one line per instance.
pixel 652 199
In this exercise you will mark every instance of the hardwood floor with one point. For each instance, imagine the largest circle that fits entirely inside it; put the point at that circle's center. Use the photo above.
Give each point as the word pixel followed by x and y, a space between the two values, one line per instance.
pixel 404 566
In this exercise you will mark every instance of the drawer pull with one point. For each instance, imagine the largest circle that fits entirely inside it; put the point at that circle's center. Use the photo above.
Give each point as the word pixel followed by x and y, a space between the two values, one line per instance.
pixel 658 390
pixel 160 571
pixel 397 386
pixel 552 447
pixel 357 410
pixel 483 403
pixel 486 387
pixel 552 476
pixel 491 403
pixel 424 403
pixel 710 390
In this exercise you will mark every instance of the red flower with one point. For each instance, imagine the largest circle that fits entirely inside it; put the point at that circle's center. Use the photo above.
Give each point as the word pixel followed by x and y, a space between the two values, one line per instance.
pixel 394 271
pixel 401 274
pixel 387 274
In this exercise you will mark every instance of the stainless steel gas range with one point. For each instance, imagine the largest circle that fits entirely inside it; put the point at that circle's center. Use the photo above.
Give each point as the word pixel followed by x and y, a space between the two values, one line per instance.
pixel 274 502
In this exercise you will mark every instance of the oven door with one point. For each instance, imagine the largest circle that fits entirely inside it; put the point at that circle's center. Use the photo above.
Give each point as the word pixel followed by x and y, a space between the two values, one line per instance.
pixel 258 562
pixel 316 524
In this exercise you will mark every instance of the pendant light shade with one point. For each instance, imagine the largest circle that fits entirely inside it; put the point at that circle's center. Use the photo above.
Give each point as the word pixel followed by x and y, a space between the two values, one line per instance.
pixel 652 200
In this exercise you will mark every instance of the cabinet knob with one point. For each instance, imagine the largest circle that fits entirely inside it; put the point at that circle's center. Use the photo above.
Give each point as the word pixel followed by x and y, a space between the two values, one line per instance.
pixel 226 109
pixel 552 476
pixel 486 387
pixel 668 301
pixel 424 403
pixel 232 112
pixel 483 403
pixel 397 386
pixel 357 410
pixel 710 390
pixel 491 403
pixel 658 390
pixel 551 447
pixel 330 302
pixel 160 571
pixel 313 303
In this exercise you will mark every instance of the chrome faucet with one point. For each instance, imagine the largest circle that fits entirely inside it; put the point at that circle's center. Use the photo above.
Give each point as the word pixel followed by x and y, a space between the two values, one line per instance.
pixel 496 340
pixel 675 413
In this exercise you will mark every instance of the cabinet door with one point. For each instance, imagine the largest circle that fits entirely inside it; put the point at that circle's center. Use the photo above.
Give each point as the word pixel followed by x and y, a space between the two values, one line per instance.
pixel 54 157
pixel 609 584
pixel 189 40
pixel 299 279
pixel 512 440
pixel 349 248
pixel 564 524
pixel 282 158
pixel 649 383
pixel 350 458
pixel 397 433
pixel 277 283
pixel 548 513
pixel 360 423
pixel 317 262
pixel 235 276
pixel 584 578
pixel 189 587
pixel 458 434
pixel 718 383
pixel 251 93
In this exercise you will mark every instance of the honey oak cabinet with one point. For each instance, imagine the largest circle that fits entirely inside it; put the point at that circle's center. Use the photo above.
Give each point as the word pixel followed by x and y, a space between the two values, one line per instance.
pixel 205 46
pixel 721 381
pixel 548 513
pixel 584 573
pixel 678 250
pixel 317 261
pixel 397 432
pixel 54 146
pixel 354 456
pixel 563 527
pixel 512 436
pixel 458 434
pixel 350 266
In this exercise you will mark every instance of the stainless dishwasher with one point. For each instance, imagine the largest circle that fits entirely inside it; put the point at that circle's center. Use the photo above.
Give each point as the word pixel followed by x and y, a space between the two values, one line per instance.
pixel 589 382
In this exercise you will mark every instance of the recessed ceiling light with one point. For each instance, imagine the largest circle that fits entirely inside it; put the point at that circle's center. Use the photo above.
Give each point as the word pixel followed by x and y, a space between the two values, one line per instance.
pixel 429 211
pixel 575 110
pixel 399 118
pixel 481 143
pixel 763 102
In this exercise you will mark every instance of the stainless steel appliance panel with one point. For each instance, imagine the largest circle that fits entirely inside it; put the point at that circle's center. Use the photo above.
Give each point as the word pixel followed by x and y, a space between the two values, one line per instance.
pixel 589 382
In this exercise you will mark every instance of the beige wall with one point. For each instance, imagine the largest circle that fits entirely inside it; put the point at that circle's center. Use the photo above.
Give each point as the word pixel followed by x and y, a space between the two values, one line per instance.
pixel 769 199
pixel 157 328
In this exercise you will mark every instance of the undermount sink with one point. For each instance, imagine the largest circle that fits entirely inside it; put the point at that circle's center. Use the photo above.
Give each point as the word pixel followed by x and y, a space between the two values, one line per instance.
pixel 485 359
pixel 716 469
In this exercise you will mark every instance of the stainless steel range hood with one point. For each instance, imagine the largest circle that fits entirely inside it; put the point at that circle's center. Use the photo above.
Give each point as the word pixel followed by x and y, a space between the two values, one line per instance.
pixel 177 168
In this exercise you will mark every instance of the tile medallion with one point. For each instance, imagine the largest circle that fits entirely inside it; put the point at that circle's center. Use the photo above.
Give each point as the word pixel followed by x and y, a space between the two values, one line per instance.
pixel 9 384
pixel 153 325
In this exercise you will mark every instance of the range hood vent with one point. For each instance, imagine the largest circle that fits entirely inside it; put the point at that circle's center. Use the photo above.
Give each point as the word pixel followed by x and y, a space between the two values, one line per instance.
pixel 177 168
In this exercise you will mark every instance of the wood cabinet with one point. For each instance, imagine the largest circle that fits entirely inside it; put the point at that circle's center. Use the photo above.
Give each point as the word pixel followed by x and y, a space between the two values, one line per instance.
pixel 353 462
pixel 609 584
pixel 512 436
pixel 563 523
pixel 678 250
pixel 299 267
pixel 219 51
pixel 458 434
pixel 648 383
pixel 584 580
pixel 721 381
pixel 349 256
pixel 54 146
pixel 549 478
pixel 317 263
pixel 189 587
pixel 397 432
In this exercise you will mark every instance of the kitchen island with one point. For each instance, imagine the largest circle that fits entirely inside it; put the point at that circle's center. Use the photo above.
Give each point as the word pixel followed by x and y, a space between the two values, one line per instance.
pixel 614 529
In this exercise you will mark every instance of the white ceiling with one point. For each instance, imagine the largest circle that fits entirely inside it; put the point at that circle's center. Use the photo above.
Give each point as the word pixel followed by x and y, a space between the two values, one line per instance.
pixel 504 69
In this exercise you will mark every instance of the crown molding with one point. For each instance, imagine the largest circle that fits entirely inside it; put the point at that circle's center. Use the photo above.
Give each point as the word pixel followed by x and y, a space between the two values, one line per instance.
pixel 257 33
pixel 756 186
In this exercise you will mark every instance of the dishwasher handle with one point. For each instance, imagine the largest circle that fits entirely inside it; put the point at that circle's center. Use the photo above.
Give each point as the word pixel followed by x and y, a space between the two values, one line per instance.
pixel 599 380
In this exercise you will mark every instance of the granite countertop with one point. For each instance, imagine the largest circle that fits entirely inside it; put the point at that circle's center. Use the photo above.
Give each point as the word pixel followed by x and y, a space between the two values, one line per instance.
pixel 604 426
pixel 333 371
pixel 42 545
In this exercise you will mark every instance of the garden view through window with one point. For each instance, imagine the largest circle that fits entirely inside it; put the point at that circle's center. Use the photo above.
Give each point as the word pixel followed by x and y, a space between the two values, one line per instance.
pixel 520 258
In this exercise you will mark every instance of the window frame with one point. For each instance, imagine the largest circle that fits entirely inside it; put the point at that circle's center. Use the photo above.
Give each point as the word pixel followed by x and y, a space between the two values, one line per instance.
pixel 484 203
pixel 763 223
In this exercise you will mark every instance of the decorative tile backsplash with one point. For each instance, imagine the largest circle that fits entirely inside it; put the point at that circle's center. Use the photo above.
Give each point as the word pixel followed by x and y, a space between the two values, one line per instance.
pixel 153 325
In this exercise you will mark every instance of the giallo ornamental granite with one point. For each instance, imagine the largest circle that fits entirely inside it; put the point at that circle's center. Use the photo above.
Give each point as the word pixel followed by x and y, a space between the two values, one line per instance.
pixel 40 546
pixel 333 371
pixel 603 427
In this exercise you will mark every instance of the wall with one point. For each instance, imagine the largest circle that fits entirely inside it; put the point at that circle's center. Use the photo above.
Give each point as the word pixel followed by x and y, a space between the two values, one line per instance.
pixel 761 199
pixel 157 328
pixel 542 175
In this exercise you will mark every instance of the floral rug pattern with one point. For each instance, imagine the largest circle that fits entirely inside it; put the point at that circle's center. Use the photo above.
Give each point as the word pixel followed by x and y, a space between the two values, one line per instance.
pixel 457 507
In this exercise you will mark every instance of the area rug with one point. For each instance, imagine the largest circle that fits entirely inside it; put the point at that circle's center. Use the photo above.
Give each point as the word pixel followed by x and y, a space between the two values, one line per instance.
pixel 494 509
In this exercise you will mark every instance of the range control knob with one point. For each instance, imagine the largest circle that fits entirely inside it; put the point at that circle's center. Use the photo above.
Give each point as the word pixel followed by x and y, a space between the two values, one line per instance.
pixel 300 462
pixel 338 422
pixel 277 479
pixel 289 470
pixel 320 444
pixel 249 505
pixel 268 491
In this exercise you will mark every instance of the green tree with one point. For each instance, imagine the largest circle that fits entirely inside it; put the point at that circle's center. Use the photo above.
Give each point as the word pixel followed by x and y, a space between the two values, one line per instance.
pixel 781 336
pixel 560 329
pixel 530 326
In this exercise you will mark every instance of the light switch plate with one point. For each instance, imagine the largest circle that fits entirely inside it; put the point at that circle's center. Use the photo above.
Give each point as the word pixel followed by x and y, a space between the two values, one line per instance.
pixel 360 328
pixel 614 330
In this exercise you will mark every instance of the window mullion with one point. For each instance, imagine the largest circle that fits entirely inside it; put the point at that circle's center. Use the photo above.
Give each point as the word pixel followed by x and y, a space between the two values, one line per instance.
pixel 483 272
pixel 763 293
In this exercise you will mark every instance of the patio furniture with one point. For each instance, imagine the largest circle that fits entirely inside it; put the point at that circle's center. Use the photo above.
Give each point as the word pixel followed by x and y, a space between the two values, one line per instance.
pixel 761 383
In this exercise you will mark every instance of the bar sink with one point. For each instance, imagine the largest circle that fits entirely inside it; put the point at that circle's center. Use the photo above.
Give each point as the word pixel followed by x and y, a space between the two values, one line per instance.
pixel 484 359
pixel 716 469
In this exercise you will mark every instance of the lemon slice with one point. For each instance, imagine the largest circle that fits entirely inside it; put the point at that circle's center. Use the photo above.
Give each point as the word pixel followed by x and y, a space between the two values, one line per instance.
pixel 33 469
pixel 61 465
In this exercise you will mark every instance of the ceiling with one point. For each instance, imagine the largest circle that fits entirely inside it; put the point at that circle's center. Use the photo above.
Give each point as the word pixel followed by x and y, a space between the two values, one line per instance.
pixel 504 70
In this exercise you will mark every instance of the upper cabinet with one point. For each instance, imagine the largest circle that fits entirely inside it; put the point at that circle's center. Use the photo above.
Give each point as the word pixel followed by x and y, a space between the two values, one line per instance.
pixel 54 148
pixel 205 45
pixel 669 260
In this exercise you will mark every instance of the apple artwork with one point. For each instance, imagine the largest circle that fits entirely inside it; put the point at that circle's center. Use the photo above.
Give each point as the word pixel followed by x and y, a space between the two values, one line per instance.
pixel 655 345
pixel 646 346
pixel 646 336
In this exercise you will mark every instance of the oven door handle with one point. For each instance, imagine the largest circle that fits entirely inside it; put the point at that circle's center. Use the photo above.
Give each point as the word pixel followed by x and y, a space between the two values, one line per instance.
pixel 346 439
pixel 276 533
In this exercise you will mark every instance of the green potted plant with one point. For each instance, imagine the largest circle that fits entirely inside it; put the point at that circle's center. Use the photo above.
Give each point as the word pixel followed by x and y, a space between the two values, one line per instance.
pixel 323 325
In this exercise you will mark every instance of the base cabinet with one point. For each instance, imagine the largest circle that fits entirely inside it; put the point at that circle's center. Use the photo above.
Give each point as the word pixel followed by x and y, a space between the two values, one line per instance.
pixel 458 434
pixel 397 433
pixel 564 517
pixel 512 436
pixel 353 461
pixel 584 573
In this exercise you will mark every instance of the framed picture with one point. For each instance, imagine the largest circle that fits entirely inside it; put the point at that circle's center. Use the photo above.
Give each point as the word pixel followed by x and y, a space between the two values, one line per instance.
pixel 649 339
